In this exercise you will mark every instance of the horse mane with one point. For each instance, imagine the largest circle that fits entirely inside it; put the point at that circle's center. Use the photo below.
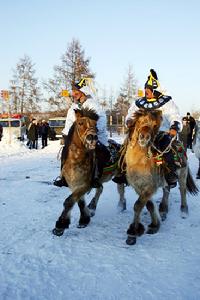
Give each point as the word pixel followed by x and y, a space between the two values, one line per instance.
pixel 87 113
pixel 152 113
pixel 84 112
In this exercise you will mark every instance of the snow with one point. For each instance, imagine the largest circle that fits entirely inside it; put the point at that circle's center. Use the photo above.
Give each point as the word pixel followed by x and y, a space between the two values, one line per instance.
pixel 94 262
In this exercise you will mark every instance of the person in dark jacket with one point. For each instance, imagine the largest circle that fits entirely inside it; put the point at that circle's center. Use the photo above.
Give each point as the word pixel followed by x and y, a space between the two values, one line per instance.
pixel 44 129
pixel 183 135
pixel 191 121
pixel 1 131
pixel 32 134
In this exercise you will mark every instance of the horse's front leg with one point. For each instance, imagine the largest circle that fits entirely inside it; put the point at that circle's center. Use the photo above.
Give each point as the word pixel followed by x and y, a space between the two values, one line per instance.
pixel 136 228
pixel 164 204
pixel 84 213
pixel 155 222
pixel 122 199
pixel 93 203
pixel 64 220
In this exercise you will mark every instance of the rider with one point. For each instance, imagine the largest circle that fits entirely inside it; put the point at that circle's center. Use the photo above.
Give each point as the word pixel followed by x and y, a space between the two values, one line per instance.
pixel 83 95
pixel 171 124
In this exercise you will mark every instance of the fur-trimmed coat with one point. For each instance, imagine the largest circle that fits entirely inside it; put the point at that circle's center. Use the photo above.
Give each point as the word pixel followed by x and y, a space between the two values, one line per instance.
pixel 90 103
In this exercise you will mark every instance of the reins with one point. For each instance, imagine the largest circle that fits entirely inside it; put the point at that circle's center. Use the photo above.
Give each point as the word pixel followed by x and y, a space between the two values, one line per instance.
pixel 166 150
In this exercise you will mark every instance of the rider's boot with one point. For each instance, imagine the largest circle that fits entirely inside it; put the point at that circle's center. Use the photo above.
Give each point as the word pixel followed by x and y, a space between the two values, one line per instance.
pixel 60 181
pixel 120 178
pixel 170 172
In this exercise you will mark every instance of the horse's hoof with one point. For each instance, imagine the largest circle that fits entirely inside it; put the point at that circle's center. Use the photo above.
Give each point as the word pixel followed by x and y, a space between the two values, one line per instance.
pixel 92 209
pixel 92 212
pixel 184 212
pixel 131 240
pixel 58 231
pixel 163 216
pixel 153 228
pixel 121 206
pixel 82 225
pixel 132 231
pixel 83 222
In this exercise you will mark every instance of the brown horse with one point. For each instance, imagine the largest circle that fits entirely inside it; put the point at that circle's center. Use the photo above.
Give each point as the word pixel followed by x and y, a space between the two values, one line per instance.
pixel 146 177
pixel 78 169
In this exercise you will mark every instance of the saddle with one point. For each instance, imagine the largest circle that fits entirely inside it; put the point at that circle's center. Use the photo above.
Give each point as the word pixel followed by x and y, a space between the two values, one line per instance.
pixel 112 163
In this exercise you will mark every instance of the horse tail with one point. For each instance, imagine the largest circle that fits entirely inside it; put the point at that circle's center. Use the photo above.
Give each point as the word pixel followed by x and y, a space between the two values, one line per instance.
pixel 190 184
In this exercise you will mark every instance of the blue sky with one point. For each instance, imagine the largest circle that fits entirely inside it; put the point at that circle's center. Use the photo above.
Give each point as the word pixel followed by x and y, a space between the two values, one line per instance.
pixel 164 35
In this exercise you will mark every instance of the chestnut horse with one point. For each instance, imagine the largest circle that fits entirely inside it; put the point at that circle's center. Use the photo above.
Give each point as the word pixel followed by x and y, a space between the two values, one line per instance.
pixel 78 169
pixel 146 177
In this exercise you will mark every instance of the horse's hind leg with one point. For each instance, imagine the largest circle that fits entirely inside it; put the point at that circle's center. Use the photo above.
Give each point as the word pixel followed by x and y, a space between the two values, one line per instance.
pixel 163 207
pixel 85 213
pixel 155 223
pixel 64 220
pixel 182 185
pixel 122 200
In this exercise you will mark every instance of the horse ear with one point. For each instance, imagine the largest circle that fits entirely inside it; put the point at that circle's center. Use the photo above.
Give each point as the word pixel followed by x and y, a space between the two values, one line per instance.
pixel 77 113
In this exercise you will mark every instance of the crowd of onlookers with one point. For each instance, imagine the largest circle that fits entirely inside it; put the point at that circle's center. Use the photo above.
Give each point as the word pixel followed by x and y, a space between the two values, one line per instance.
pixel 188 131
pixel 190 136
pixel 37 130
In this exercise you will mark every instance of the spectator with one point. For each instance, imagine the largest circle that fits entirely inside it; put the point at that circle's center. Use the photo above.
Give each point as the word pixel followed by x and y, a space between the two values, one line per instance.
pixel 192 123
pixel 44 129
pixel 183 135
pixel 32 134
pixel 196 145
pixel 1 131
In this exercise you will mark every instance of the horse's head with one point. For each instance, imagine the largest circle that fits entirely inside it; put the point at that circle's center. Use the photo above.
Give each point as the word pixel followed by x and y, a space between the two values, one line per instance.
pixel 146 125
pixel 86 120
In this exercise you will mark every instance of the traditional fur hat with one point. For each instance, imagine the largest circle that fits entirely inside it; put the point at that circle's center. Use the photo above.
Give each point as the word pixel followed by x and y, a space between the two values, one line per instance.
pixel 85 86
pixel 152 81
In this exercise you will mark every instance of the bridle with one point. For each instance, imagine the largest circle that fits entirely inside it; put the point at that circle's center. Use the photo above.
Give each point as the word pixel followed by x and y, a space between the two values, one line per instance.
pixel 143 140
pixel 90 130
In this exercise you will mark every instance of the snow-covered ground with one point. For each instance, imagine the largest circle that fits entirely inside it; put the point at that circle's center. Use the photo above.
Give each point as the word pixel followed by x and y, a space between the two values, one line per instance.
pixel 94 262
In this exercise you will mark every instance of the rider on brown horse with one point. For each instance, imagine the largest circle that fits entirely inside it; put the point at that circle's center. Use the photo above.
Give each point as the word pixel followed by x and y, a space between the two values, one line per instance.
pixel 171 124
pixel 83 95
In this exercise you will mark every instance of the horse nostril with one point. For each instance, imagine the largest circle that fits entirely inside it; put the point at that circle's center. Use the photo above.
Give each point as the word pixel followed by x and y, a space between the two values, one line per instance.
pixel 92 137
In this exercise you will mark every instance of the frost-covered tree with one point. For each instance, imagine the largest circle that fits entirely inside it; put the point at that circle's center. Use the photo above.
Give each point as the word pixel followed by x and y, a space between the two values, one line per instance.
pixel 129 86
pixel 24 88
pixel 73 66
pixel 127 93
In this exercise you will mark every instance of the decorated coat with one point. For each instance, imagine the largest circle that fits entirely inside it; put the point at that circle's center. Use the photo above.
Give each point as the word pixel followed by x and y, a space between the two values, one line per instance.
pixel 170 114
pixel 196 141
pixel 90 103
